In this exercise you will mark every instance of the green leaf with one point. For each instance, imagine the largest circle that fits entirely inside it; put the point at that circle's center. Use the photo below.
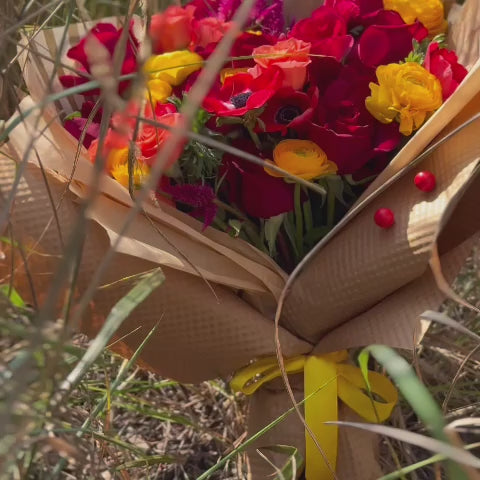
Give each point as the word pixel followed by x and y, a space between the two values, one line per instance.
pixel 12 295
pixel 363 358
pixel 236 226
pixel 73 115
pixel 272 227
pixel 314 235
pixel 337 187
pixel 289 225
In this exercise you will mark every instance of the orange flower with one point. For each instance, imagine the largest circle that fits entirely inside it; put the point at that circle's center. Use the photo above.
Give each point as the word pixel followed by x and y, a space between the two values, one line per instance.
pixel 152 139
pixel 291 55
pixel 172 29
pixel 302 158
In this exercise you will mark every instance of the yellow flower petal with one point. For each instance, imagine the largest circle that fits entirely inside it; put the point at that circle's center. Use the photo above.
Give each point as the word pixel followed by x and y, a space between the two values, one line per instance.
pixel 116 156
pixel 406 92
pixel 229 72
pixel 173 67
pixel 158 91
pixel 120 174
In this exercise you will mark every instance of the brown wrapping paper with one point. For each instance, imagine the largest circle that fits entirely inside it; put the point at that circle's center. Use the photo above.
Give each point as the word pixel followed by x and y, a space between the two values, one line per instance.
pixel 365 286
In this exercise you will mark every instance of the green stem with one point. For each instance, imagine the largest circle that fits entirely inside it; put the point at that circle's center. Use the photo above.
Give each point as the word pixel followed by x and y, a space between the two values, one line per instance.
pixel 330 207
pixel 307 215
pixel 299 218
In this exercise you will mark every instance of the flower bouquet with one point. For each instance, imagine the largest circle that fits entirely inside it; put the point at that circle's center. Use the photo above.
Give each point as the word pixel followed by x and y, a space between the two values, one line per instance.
pixel 273 168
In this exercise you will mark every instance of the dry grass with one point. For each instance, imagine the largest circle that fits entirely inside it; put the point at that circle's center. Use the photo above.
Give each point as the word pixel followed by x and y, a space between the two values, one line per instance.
pixel 156 428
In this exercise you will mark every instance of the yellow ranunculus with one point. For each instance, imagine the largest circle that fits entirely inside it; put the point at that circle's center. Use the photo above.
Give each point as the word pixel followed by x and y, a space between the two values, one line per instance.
pixel 116 156
pixel 173 67
pixel 302 158
pixel 117 166
pixel 406 92
pixel 158 91
pixel 120 173
pixel 430 12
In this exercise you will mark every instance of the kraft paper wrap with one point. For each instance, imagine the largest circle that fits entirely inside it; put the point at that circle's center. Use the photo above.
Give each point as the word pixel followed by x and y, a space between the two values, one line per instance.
pixel 365 286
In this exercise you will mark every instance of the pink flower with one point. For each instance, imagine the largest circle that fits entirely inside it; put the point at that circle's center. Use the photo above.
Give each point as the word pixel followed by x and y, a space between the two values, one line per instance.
pixel 444 65
pixel 209 30
pixel 172 29
pixel 291 55
pixel 77 126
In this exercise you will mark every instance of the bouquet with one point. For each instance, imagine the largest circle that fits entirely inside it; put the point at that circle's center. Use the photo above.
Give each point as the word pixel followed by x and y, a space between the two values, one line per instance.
pixel 323 103
pixel 304 157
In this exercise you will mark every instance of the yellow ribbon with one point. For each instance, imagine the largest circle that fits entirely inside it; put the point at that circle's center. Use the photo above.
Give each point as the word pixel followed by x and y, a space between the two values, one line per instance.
pixel 326 379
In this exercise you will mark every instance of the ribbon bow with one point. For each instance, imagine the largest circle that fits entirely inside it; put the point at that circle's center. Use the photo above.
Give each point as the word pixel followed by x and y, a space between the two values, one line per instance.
pixel 326 379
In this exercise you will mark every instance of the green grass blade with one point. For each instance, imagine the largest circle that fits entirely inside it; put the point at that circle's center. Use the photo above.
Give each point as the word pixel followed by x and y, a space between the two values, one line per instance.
pixel 101 405
pixel 457 454
pixel 292 466
pixel 119 313
pixel 14 297
pixel 422 464
pixel 147 462
pixel 418 397
pixel 254 438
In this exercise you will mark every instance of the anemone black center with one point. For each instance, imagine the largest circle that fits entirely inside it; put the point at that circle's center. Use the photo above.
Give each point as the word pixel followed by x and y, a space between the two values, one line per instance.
pixel 286 114
pixel 240 100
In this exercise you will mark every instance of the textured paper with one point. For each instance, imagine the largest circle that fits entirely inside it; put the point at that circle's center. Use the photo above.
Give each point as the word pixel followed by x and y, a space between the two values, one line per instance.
pixel 366 286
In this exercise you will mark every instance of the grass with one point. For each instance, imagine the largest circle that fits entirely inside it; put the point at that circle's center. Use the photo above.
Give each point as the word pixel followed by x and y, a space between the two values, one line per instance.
pixel 111 419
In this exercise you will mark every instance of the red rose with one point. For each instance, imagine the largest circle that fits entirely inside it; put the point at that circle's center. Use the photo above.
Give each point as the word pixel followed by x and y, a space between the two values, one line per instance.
pixel 253 190
pixel 205 8
pixel 108 35
pixel 354 146
pixel 389 40
pixel 326 30
pixel 325 22
pixel 345 130
pixel 242 92
pixel 444 65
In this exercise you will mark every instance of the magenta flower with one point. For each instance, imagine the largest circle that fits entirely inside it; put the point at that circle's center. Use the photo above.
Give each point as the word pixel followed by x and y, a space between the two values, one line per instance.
pixel 199 197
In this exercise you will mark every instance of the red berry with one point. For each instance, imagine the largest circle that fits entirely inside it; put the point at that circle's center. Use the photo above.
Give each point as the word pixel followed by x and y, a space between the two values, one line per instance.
pixel 425 181
pixel 384 218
